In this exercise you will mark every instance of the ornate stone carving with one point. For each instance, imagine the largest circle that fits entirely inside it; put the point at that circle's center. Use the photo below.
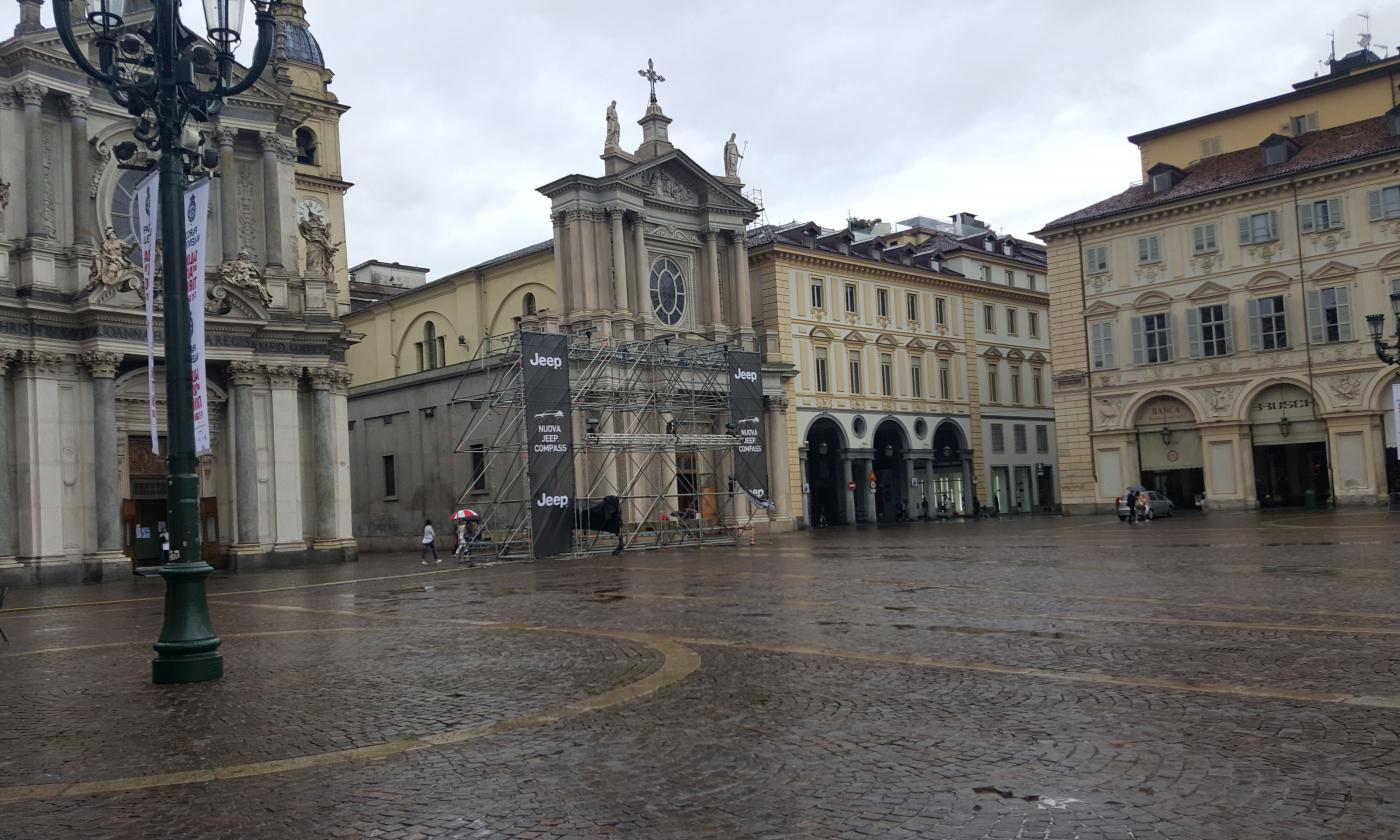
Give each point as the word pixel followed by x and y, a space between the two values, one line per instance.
pixel 672 232
pixel 6 357
pixel 1266 251
pixel 666 187
pixel 1205 263
pixel 43 362
pixel 29 93
pixel 4 202
pixel 732 156
pixel 111 265
pixel 76 106
pixel 244 373
pixel 101 365
pixel 242 272
pixel 224 136
pixel 320 250
pixel 283 376
pixel 334 379
pixel 1149 273
pixel 1346 388
pixel 1329 240
pixel 1110 412
pixel 51 142
pixel 1220 398
pixel 1101 281
pixel 614 135
pixel 269 142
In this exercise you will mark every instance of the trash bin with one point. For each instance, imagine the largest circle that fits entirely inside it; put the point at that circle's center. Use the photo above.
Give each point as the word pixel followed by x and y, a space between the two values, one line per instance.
pixel 1310 499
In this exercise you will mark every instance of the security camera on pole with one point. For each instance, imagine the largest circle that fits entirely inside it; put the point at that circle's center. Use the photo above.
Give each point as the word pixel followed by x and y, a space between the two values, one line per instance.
pixel 167 77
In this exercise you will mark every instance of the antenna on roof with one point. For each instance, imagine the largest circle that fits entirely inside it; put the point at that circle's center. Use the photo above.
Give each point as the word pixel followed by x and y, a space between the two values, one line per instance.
pixel 1365 39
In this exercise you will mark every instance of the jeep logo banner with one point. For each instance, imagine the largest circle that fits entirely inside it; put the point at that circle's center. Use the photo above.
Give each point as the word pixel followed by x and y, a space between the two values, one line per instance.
pixel 550 435
pixel 746 413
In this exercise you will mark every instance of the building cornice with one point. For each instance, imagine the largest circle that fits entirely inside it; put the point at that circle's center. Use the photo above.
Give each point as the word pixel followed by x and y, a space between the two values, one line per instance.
pixel 890 271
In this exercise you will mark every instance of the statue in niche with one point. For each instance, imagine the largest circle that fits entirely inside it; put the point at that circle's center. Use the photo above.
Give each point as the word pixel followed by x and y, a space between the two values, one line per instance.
pixel 242 272
pixel 112 265
pixel 614 129
pixel 320 250
pixel 732 156
pixel 4 202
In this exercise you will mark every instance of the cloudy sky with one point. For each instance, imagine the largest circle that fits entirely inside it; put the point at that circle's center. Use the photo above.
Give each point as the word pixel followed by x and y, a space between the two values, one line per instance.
pixel 1016 111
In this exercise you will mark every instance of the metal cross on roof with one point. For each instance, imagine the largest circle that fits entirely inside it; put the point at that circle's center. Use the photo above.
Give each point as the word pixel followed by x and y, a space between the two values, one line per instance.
pixel 652 76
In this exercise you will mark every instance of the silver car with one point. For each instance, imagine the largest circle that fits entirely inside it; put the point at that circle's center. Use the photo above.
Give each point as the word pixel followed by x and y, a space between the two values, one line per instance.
pixel 1157 505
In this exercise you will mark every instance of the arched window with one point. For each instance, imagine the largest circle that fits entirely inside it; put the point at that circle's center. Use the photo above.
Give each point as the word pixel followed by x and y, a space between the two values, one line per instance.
pixel 667 291
pixel 306 146
pixel 430 341
pixel 529 305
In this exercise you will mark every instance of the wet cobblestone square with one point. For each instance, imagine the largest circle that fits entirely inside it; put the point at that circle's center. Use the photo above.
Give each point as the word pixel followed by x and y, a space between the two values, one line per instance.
pixel 1221 676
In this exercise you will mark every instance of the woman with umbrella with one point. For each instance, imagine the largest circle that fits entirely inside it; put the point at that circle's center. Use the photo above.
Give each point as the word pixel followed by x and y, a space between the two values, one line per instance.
pixel 465 519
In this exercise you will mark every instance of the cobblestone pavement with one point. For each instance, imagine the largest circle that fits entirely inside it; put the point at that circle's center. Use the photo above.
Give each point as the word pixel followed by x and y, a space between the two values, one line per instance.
pixel 1221 676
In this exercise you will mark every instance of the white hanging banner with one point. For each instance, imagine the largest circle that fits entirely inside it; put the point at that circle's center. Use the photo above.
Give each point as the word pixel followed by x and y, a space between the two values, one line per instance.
pixel 148 218
pixel 196 244
pixel 1395 400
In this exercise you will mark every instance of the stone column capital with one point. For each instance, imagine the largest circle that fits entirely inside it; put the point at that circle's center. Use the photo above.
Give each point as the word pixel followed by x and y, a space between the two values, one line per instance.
pixel 101 365
pixel 7 357
pixel 30 93
pixel 77 106
pixel 286 150
pixel 738 238
pixel 616 213
pixel 283 376
pixel 323 378
pixel 244 373
pixel 558 218
pixel 225 136
pixel 775 403
pixel 270 142
pixel 42 362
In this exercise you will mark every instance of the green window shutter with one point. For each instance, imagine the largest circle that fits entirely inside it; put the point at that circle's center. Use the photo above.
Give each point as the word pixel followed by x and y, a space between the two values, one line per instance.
pixel 1244 230
pixel 1229 314
pixel 1138 355
pixel 1273 224
pixel 1251 308
pixel 1305 218
pixel 1317 332
pixel 1171 337
pixel 1193 332
pixel 1334 213
pixel 1343 313
pixel 1199 236
pixel 1373 202
pixel 1108 345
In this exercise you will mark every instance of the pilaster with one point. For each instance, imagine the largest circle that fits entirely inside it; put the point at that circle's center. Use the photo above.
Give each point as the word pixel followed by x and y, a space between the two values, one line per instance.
pixel 38 457
pixel 243 377
pixel 107 496
pixel 287 529
pixel 8 519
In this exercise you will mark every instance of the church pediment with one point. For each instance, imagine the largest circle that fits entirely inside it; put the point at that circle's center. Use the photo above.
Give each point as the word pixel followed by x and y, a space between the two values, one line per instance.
pixel 674 178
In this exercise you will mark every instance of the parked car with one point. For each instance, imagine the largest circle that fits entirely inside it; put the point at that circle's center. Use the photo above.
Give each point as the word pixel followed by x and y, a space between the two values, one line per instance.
pixel 1157 505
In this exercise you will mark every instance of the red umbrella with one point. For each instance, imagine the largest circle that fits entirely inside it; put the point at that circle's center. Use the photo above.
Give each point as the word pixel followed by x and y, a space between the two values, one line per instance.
pixel 466 513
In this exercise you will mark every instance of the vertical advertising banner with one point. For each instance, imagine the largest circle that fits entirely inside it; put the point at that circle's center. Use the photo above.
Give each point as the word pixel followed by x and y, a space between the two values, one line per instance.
pixel 1395 400
pixel 746 413
pixel 196 244
pixel 147 221
pixel 550 436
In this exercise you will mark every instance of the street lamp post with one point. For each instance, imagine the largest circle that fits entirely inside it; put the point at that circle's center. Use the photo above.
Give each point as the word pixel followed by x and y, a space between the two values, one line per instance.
pixel 166 76
pixel 1388 353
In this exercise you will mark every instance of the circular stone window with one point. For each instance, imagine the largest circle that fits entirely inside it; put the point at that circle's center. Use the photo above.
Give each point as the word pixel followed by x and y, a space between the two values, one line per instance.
pixel 920 428
pixel 667 291
pixel 859 426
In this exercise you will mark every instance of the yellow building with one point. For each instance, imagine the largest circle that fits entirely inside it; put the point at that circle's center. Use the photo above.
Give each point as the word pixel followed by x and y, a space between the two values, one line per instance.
pixel 1208 321
pixel 923 358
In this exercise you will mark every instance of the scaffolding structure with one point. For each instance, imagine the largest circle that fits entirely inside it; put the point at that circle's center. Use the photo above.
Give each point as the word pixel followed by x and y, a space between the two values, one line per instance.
pixel 650 424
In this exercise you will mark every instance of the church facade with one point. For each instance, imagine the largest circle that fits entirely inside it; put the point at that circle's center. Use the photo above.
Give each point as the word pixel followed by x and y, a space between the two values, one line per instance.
pixel 82 492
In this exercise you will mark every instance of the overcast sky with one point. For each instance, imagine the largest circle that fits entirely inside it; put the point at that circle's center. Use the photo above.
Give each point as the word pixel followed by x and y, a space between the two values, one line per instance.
pixel 1016 111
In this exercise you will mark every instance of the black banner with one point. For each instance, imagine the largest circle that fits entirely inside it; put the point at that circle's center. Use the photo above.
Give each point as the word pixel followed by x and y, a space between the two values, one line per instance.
pixel 746 413
pixel 545 360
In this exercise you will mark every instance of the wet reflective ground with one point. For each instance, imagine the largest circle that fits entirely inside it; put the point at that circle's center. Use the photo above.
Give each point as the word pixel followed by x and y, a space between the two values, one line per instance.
pixel 1221 676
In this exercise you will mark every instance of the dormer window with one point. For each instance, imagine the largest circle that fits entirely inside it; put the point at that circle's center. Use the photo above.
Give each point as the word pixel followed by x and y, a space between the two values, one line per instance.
pixel 1278 149
pixel 989 244
pixel 1164 176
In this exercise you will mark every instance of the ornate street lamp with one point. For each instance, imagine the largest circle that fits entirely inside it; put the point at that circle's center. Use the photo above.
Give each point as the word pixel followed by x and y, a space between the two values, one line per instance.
pixel 1283 425
pixel 1388 353
pixel 1166 436
pixel 166 76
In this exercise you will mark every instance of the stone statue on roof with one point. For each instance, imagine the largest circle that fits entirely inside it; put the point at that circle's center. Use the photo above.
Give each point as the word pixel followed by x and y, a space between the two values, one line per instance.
pixel 614 129
pixel 732 156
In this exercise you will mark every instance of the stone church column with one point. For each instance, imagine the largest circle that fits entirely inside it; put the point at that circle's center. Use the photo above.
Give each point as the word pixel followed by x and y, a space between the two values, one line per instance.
pixel 712 294
pixel 38 457
pixel 228 193
pixel 243 376
pixel 107 502
pixel 287 527
pixel 272 201
pixel 344 524
pixel 561 261
pixel 619 259
pixel 323 452
pixel 779 458
pixel 84 227
pixel 588 239
pixel 743 293
pixel 641 302
pixel 33 97
pixel 7 466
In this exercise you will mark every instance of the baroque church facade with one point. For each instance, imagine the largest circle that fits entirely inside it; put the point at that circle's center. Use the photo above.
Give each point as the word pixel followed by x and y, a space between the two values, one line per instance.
pixel 82 493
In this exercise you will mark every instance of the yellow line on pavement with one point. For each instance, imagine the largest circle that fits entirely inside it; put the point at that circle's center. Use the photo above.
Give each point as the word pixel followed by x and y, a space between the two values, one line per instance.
pixel 143 642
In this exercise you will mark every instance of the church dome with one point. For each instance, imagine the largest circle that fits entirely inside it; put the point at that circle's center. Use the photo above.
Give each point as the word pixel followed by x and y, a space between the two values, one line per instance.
pixel 295 41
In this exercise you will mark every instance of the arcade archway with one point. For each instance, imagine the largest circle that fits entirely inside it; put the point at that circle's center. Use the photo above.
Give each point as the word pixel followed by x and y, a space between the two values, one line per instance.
pixel 1171 459
pixel 891 472
pixel 1290 448
pixel 826 485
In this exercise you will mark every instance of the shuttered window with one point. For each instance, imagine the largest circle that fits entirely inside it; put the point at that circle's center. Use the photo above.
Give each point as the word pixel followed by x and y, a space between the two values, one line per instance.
pixel 1320 215
pixel 1149 249
pixel 1203 239
pixel 1152 339
pixel 1259 227
pixel 1101 340
pixel 1268 328
pixel 1210 331
pixel 998 438
pixel 1384 203
pixel 1329 314
pixel 1096 259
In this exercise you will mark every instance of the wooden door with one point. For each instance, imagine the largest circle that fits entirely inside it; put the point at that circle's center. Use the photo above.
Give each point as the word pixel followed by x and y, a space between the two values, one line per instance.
pixel 210 548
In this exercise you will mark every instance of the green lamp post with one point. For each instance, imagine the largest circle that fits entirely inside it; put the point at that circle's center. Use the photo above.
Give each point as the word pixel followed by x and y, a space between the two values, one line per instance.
pixel 166 77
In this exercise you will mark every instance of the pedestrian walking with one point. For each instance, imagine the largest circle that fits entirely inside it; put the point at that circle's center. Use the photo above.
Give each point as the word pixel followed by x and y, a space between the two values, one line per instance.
pixel 1132 506
pixel 463 550
pixel 164 545
pixel 429 543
